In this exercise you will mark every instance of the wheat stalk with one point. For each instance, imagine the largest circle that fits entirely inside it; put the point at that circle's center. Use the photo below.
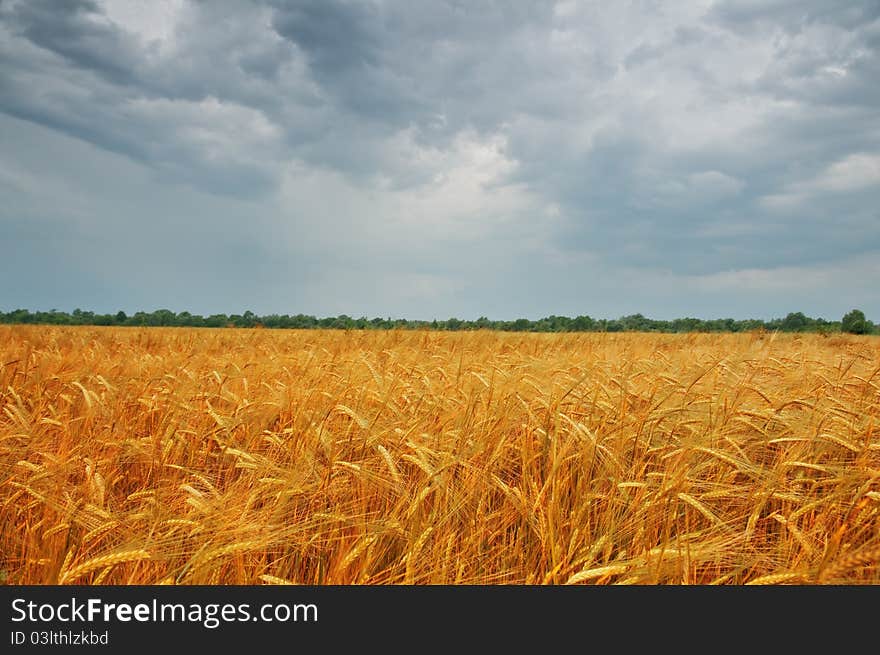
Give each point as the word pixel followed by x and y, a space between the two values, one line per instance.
pixel 273 580
pixel 776 578
pixel 103 561
pixel 863 557
pixel 598 572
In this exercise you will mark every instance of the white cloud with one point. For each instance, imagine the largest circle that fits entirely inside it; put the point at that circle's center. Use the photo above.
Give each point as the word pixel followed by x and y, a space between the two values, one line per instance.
pixel 460 195
pixel 219 130
pixel 817 278
pixel 154 22
pixel 715 184
pixel 854 172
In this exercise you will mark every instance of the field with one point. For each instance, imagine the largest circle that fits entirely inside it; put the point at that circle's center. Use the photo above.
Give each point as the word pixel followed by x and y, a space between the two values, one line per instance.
pixel 199 456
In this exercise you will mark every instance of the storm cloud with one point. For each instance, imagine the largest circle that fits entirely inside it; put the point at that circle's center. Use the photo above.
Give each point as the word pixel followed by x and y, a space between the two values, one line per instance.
pixel 436 159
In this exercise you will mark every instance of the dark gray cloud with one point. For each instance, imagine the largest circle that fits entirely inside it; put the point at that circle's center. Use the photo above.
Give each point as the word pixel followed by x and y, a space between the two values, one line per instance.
pixel 338 37
pixel 793 15
pixel 444 157
pixel 69 30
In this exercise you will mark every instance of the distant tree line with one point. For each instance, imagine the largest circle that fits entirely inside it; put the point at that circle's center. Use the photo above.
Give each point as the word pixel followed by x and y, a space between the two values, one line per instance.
pixel 854 322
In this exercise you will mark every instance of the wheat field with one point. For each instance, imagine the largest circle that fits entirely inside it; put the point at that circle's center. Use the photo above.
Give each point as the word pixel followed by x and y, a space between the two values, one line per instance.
pixel 199 456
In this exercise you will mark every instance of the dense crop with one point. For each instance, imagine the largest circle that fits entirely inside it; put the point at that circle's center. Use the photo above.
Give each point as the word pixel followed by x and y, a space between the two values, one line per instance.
pixel 132 455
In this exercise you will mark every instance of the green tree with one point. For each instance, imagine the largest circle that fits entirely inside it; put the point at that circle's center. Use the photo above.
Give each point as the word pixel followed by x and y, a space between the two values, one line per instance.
pixel 854 322
pixel 794 322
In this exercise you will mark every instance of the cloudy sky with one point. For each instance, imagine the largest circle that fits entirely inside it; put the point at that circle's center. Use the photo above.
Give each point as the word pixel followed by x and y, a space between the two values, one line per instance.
pixel 443 158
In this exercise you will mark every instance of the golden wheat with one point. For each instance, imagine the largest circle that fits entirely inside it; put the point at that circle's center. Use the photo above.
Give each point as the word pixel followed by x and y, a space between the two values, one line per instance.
pixel 165 456
pixel 104 561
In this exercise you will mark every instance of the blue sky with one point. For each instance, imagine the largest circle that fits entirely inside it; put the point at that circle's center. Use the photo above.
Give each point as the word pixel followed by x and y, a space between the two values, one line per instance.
pixel 436 159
